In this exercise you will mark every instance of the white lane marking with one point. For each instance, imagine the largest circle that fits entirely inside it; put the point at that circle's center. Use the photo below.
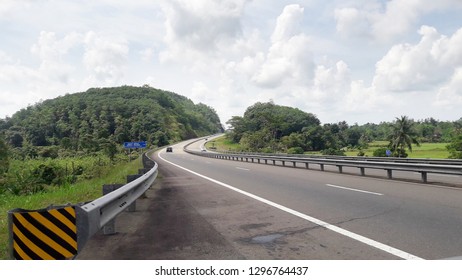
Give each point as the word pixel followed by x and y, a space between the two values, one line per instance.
pixel 360 238
pixel 350 189
pixel 240 168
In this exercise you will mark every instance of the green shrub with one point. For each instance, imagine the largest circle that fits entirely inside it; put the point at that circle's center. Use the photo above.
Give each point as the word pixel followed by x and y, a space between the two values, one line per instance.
pixel 455 147
pixel 295 150
pixel 380 152
pixel 24 182
pixel 333 152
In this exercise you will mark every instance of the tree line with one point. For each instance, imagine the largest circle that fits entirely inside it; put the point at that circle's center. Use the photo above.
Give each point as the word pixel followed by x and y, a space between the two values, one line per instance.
pixel 90 128
pixel 267 127
pixel 102 118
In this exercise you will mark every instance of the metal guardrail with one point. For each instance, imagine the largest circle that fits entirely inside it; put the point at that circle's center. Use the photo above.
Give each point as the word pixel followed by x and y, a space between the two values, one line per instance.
pixel 60 232
pixel 340 162
pixel 93 216
pixel 358 158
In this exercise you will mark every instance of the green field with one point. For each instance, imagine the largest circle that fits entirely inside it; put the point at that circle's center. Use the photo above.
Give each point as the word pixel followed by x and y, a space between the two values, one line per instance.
pixel 426 150
pixel 222 144
pixel 80 192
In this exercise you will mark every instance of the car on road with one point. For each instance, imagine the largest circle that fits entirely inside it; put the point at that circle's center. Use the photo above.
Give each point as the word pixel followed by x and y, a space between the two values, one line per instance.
pixel 169 150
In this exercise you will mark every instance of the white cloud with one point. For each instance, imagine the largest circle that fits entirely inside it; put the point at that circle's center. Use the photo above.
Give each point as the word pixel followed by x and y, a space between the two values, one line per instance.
pixel 331 83
pixel 289 57
pixel 341 60
pixel 9 7
pixel 422 66
pixel 202 93
pixel 449 97
pixel 51 52
pixel 200 27
pixel 386 21
pixel 363 99
pixel 288 23
pixel 104 59
pixel 352 22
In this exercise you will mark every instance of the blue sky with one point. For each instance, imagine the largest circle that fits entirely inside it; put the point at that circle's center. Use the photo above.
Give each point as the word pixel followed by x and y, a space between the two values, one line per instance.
pixel 358 60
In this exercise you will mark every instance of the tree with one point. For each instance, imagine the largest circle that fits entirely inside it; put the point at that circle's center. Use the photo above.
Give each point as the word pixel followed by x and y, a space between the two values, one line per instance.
pixel 403 136
pixel 455 147
pixel 4 161
pixel 272 122
pixel 82 121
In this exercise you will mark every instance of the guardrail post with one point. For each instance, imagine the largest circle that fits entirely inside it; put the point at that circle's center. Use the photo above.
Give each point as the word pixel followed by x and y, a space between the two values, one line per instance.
pixel 295 164
pixel 424 176
pixel 307 165
pixel 283 163
pixel 363 172
pixel 322 166
pixel 340 168
pixel 109 228
pixel 130 178
pixel 389 173
pixel 143 170
pixel 274 162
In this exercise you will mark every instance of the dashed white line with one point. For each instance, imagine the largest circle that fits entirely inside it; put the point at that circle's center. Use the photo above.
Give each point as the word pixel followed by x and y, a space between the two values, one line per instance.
pixel 240 168
pixel 350 189
pixel 360 238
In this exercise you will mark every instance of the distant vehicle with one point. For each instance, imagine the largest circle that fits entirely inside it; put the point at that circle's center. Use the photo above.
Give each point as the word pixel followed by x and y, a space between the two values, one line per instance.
pixel 169 150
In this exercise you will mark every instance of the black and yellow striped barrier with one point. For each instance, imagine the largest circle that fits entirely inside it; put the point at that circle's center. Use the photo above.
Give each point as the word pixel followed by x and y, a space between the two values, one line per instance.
pixel 45 234
pixel 60 232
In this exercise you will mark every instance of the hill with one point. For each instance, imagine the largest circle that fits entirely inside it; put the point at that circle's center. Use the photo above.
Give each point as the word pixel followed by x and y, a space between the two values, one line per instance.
pixel 88 120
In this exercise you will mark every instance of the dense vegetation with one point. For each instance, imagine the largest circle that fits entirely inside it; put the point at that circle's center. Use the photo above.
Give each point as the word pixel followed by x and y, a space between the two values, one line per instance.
pixel 87 121
pixel 267 127
pixel 57 141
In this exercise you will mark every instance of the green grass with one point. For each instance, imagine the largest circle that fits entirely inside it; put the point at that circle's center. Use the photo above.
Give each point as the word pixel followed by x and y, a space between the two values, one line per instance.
pixel 223 144
pixel 80 192
pixel 426 150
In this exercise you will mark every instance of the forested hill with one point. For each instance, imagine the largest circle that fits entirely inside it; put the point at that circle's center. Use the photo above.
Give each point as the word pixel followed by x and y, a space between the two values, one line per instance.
pixel 87 120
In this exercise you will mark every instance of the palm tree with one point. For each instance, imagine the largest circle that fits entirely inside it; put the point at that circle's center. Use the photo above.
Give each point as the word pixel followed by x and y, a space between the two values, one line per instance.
pixel 403 136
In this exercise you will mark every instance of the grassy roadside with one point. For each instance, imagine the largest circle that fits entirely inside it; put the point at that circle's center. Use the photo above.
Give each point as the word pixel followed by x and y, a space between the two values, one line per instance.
pixel 222 144
pixel 79 192
pixel 426 150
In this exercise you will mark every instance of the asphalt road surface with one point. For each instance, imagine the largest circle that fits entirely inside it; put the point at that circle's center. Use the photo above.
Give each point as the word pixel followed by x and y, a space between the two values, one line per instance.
pixel 203 208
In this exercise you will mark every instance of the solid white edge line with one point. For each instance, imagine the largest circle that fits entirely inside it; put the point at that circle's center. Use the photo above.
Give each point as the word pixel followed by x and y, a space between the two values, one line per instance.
pixel 360 238
pixel 350 189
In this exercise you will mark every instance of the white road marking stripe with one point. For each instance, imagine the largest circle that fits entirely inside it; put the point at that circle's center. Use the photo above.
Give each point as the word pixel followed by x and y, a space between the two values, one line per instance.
pixel 360 238
pixel 240 168
pixel 350 189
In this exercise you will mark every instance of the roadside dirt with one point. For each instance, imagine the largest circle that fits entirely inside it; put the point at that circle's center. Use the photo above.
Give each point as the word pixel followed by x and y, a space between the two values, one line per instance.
pixel 164 226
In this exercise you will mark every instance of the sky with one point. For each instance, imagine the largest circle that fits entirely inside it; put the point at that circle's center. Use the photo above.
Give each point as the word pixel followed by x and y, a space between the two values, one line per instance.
pixel 359 61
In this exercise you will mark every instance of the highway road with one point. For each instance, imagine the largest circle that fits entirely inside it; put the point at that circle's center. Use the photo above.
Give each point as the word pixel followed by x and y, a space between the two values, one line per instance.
pixel 204 208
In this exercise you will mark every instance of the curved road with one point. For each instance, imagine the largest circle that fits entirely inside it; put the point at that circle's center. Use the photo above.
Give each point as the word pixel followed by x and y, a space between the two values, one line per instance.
pixel 203 208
